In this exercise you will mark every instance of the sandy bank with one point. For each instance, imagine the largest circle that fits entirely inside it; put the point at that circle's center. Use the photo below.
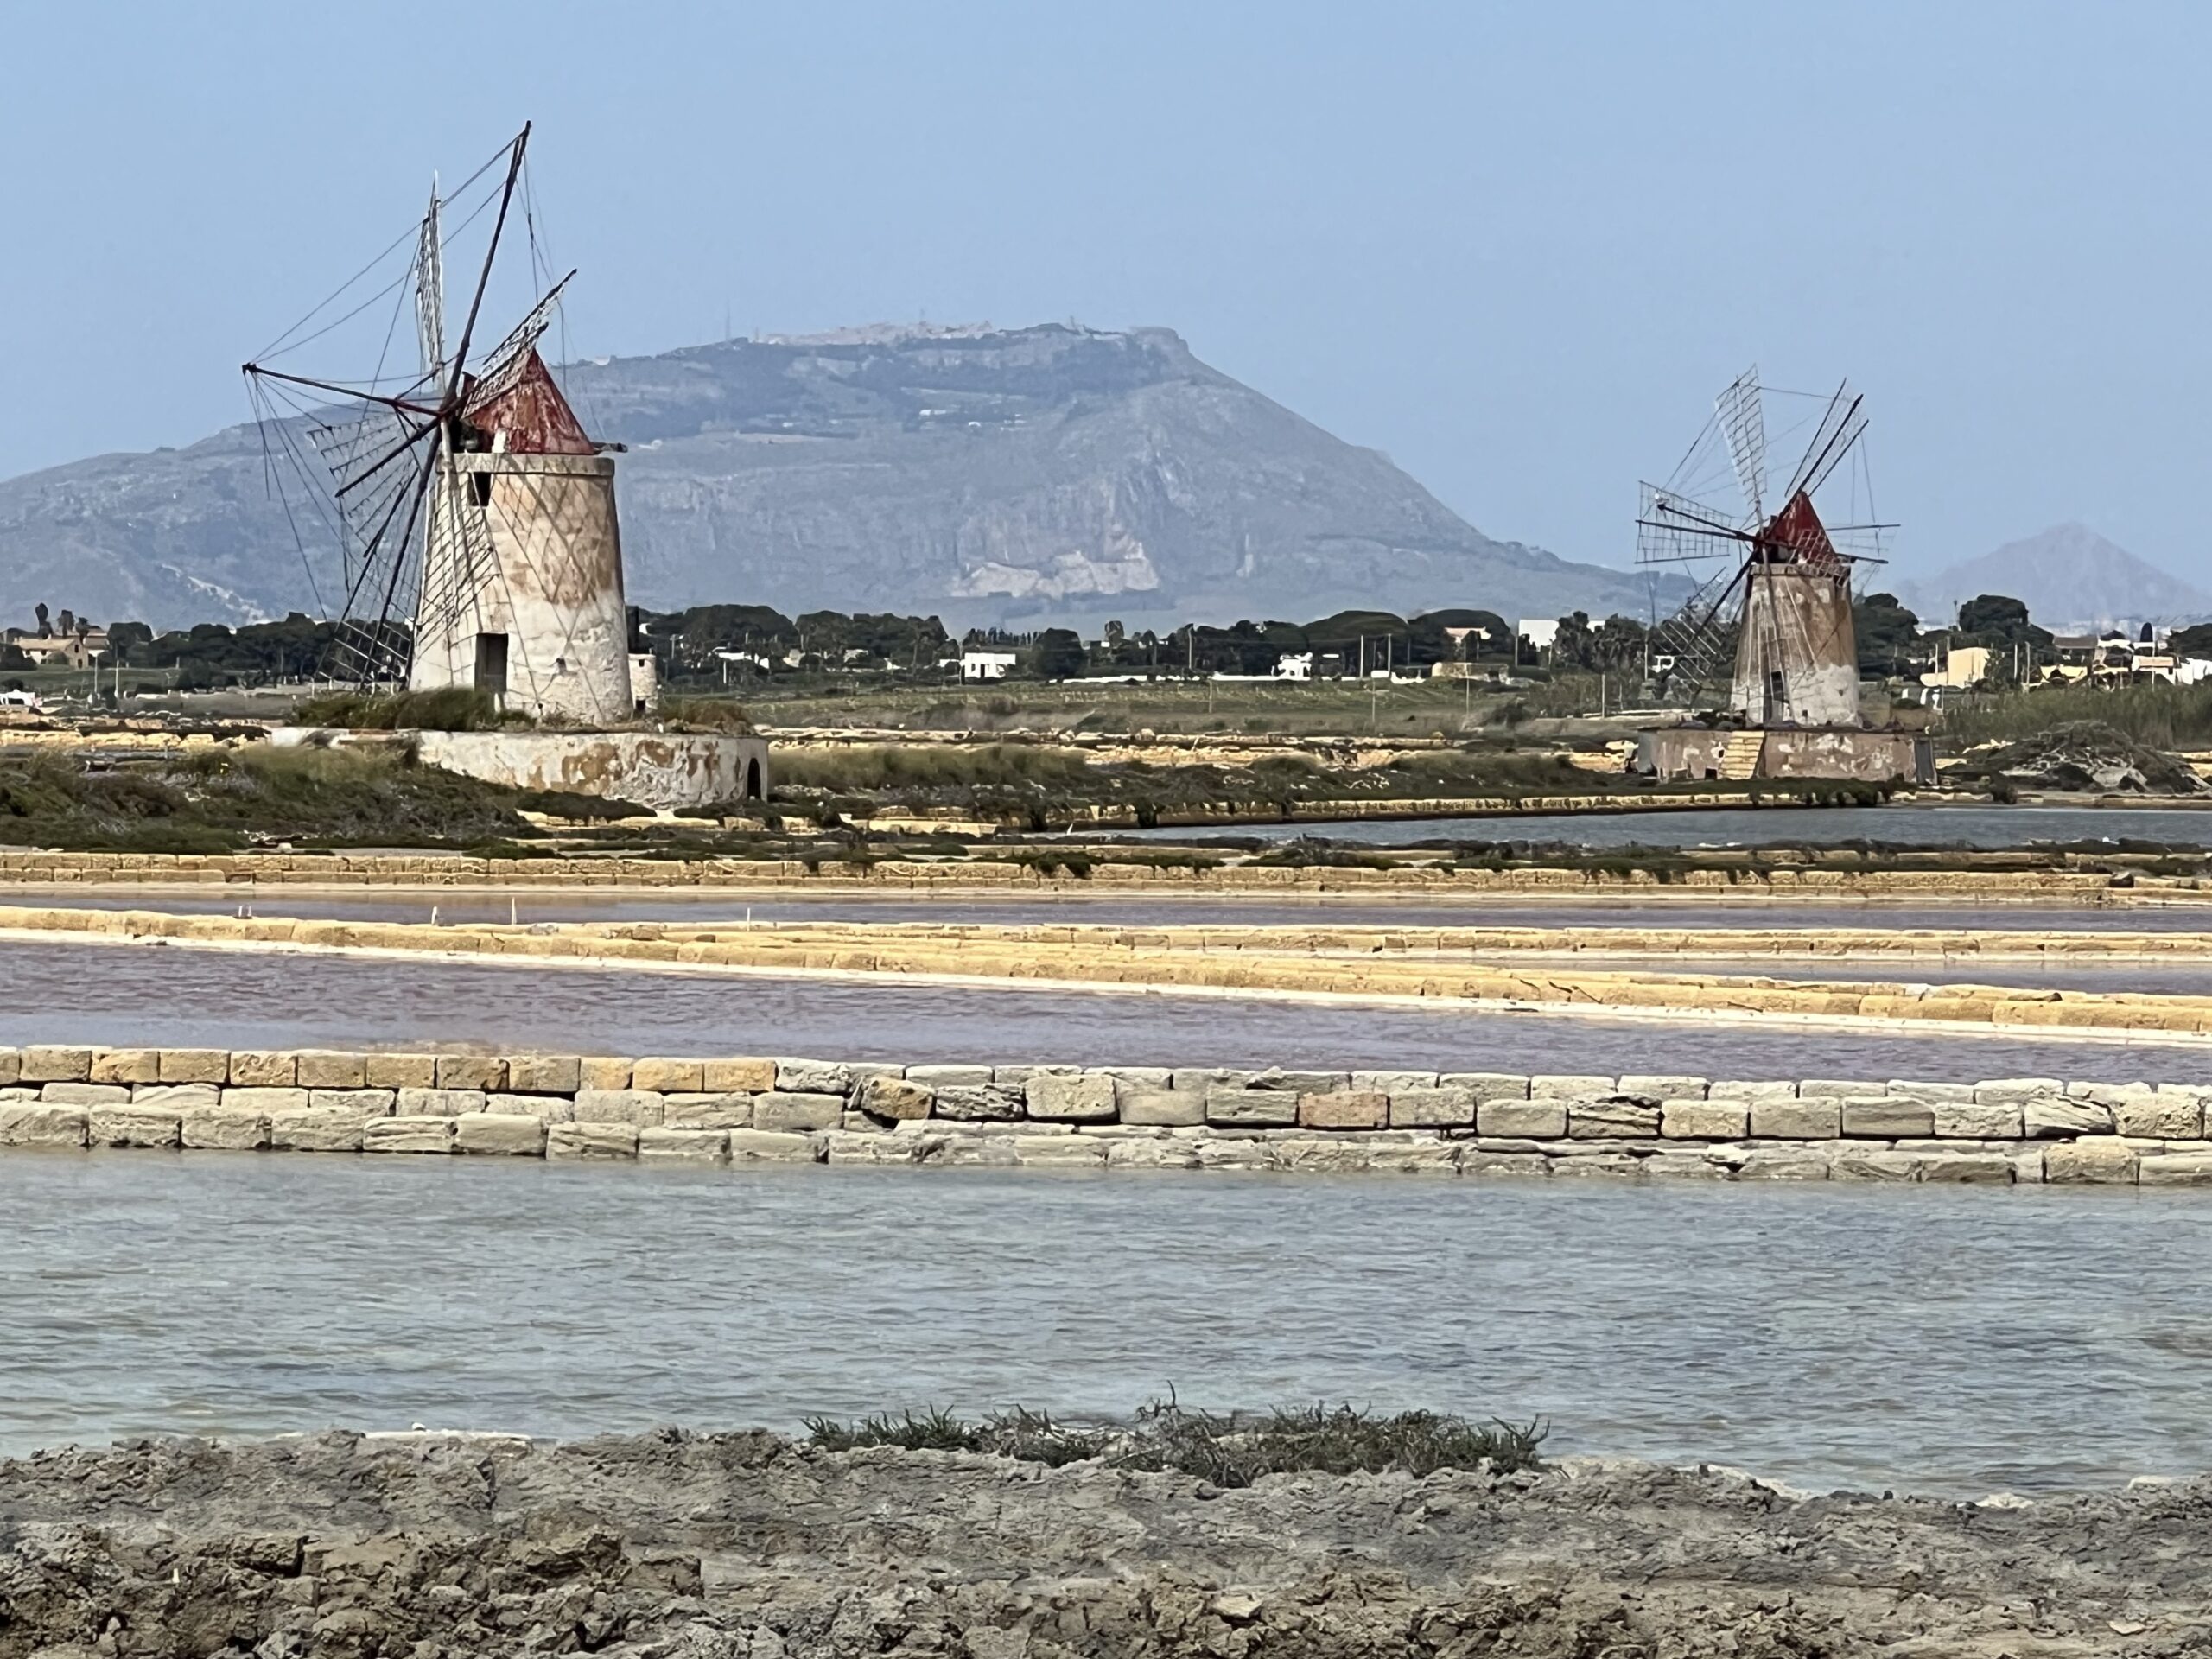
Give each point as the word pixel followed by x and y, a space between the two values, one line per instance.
pixel 747 1545
pixel 1352 964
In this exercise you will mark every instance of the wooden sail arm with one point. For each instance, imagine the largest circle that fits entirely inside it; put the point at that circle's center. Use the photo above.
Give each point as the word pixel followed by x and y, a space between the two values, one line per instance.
pixel 354 394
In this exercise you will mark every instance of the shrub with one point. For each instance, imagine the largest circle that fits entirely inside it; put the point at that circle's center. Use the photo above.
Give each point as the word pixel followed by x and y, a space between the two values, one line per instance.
pixel 448 708
pixel 870 767
pixel 2159 716
pixel 718 714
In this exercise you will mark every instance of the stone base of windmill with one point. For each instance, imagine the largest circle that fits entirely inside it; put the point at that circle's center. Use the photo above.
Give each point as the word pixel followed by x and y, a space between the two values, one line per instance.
pixel 1844 753
pixel 662 770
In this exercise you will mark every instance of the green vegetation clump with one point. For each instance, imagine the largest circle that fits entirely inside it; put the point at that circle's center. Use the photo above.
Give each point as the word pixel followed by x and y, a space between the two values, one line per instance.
pixel 1047 787
pixel 1049 861
pixel 223 800
pixel 579 809
pixel 721 715
pixel 882 767
pixel 2156 714
pixel 1493 772
pixel 1313 853
pixel 1230 1450
pixel 448 708
pixel 343 797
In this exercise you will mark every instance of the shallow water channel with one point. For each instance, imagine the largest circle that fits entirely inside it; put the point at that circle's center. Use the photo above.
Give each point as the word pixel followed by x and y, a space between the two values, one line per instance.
pixel 1139 909
pixel 1903 825
pixel 125 995
pixel 1956 1340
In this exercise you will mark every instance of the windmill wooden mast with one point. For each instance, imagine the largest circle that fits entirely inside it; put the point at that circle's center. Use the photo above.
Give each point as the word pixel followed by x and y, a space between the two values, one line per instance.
pixel 483 546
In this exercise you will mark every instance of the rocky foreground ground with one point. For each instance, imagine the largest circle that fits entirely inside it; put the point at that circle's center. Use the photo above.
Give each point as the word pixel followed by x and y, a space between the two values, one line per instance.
pixel 750 1545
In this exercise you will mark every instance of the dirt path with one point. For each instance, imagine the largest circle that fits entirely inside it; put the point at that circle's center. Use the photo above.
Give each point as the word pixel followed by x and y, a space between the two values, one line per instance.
pixel 746 1546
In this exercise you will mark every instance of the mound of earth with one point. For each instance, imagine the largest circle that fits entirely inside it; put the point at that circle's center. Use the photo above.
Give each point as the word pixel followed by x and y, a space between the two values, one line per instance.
pixel 2088 757
pixel 697 1547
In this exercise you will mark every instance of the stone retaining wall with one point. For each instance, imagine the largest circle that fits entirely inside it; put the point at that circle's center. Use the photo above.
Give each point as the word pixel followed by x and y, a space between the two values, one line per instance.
pixel 436 870
pixel 714 1111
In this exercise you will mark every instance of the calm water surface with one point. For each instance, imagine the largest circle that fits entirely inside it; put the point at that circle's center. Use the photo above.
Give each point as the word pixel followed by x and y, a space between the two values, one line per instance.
pixel 1948 1339
pixel 141 994
pixel 1913 826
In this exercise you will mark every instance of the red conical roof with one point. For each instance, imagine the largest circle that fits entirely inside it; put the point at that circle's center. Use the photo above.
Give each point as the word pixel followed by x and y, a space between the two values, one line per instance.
pixel 1796 534
pixel 524 414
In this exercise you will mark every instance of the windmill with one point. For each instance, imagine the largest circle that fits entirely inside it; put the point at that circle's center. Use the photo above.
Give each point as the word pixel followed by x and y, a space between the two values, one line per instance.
pixel 1771 613
pixel 476 518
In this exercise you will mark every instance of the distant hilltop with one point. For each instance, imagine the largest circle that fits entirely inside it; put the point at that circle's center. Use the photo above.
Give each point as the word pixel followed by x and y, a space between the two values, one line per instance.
pixel 993 476
pixel 891 334
pixel 2070 577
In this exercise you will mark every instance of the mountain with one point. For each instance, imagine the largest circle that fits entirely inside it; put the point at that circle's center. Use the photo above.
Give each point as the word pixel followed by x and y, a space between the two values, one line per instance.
pixel 986 476
pixel 2070 577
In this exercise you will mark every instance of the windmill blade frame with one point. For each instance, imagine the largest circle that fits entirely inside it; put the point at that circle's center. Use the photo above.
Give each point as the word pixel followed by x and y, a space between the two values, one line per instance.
pixel 1672 529
pixel 1742 417
pixel 363 436
pixel 1841 426
pixel 1697 635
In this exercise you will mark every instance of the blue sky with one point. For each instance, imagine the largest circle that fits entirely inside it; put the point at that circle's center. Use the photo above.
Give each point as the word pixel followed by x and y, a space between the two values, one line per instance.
pixel 1516 247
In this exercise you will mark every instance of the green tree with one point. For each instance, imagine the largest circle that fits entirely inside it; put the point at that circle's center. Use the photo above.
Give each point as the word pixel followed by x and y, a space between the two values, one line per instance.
pixel 1431 635
pixel 1571 645
pixel 126 637
pixel 1992 618
pixel 1886 631
pixel 2016 644
pixel 1060 655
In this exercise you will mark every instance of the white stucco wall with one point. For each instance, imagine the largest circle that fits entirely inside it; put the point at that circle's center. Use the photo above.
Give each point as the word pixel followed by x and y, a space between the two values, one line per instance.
pixel 539 562
pixel 656 769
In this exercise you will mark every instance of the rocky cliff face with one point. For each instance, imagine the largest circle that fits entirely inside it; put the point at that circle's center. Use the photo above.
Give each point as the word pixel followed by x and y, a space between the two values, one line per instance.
pixel 988 475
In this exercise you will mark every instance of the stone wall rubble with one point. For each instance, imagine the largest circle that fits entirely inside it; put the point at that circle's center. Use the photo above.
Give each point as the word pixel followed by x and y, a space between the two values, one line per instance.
pixel 1994 875
pixel 716 1111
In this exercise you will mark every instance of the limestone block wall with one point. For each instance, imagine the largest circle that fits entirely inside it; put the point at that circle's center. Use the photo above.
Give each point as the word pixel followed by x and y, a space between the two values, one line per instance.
pixel 526 547
pixel 716 1111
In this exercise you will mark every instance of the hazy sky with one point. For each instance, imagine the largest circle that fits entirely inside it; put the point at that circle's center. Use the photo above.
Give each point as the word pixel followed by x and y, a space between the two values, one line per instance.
pixel 1516 247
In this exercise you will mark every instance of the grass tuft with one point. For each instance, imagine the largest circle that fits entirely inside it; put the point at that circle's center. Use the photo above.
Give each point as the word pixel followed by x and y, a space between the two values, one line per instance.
pixel 716 715
pixel 1227 1449
pixel 449 709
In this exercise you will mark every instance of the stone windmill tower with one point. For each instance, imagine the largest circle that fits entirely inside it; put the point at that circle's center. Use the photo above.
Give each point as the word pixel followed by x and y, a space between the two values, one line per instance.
pixel 482 547
pixel 1771 617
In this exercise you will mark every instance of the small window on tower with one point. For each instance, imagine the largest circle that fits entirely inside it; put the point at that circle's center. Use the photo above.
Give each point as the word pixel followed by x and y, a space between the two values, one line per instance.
pixel 479 488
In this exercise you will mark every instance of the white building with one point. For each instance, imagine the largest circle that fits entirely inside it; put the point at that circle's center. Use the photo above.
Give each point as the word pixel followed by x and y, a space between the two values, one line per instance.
pixel 985 665
pixel 1294 665
pixel 1541 635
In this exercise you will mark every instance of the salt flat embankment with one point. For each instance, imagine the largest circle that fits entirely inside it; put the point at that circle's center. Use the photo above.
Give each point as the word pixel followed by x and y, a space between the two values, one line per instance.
pixel 1951 876
pixel 1474 968
pixel 739 1545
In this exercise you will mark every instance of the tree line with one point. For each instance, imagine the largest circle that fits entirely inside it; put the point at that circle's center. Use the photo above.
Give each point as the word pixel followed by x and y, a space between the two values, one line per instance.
pixel 686 643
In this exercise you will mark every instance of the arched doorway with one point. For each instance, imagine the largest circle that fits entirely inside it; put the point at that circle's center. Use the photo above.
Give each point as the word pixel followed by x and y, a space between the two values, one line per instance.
pixel 753 779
